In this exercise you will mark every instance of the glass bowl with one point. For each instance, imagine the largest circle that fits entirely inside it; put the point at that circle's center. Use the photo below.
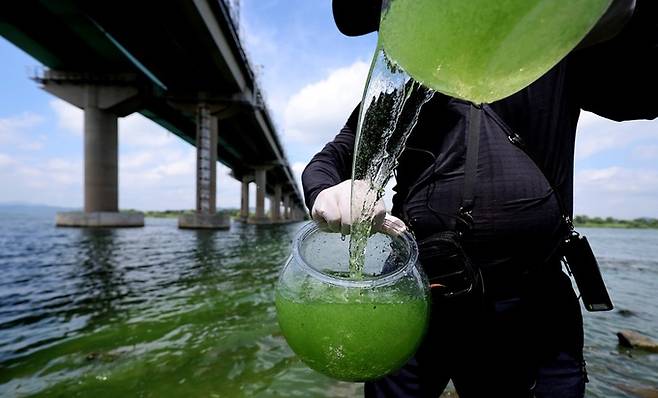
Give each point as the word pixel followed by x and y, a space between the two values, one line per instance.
pixel 352 329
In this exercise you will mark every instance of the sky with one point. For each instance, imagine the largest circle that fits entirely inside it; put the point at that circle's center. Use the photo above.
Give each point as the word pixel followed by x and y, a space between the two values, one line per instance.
pixel 312 77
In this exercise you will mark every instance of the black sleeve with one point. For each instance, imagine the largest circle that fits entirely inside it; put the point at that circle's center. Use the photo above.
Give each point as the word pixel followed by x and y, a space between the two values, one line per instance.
pixel 618 79
pixel 333 164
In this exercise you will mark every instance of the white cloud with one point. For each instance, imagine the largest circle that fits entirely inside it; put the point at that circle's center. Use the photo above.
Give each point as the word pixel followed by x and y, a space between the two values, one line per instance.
pixel 588 119
pixel 616 191
pixel 5 160
pixel 10 126
pixel 41 180
pixel 138 131
pixel 69 117
pixel 18 131
pixel 259 41
pixel 297 170
pixel 597 135
pixel 646 152
pixel 63 171
pixel 136 160
pixel 316 113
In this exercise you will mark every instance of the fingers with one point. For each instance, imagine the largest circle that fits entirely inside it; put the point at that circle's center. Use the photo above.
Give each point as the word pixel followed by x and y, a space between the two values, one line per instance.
pixel 379 214
pixel 392 226
pixel 331 215
pixel 345 229
pixel 323 211
pixel 344 202
pixel 319 220
pixel 332 210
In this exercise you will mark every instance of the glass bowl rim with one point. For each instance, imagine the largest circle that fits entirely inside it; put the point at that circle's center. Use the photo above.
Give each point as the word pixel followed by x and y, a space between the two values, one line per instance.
pixel 370 282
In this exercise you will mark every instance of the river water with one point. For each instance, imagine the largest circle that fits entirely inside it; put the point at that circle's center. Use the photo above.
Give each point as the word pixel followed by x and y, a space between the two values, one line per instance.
pixel 158 311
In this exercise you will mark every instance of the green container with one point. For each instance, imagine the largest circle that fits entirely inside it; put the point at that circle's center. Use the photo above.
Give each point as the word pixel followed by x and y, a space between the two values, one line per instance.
pixel 484 50
pixel 352 330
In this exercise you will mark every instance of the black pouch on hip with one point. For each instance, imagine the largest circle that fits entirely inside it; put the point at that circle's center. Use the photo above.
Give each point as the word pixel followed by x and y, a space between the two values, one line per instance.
pixel 448 268
pixel 582 264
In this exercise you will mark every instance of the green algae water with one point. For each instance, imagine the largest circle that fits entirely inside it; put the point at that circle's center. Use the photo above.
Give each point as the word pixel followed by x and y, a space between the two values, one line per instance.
pixel 482 50
pixel 351 337
pixel 162 312
pixel 146 312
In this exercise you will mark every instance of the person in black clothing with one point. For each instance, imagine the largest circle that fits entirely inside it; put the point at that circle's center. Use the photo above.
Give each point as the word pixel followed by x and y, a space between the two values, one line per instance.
pixel 523 336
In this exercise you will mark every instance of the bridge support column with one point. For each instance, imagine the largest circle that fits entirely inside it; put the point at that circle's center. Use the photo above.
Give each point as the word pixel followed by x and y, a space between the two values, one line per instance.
pixel 286 207
pixel 101 158
pixel 101 161
pixel 244 201
pixel 205 216
pixel 261 183
pixel 275 204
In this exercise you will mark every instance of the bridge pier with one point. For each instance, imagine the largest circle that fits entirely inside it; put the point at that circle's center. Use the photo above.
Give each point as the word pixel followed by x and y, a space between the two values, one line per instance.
pixel 244 200
pixel 260 175
pixel 101 160
pixel 286 207
pixel 205 216
pixel 275 204
pixel 103 98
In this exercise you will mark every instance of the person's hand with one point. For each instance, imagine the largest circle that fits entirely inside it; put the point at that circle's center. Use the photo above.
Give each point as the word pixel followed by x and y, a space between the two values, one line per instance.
pixel 332 210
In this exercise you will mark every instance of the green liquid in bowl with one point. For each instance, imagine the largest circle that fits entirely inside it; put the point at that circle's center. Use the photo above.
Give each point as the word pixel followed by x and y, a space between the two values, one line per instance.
pixel 353 336
pixel 352 329
pixel 484 50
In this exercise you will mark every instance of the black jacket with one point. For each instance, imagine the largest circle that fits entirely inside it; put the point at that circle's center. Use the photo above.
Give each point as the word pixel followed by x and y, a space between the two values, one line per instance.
pixel 515 205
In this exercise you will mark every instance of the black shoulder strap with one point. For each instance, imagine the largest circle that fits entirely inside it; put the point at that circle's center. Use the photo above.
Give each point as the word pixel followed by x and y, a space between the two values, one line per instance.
pixel 472 137
pixel 471 164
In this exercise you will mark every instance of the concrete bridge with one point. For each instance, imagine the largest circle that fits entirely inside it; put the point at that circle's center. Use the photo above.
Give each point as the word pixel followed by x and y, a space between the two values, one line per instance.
pixel 180 63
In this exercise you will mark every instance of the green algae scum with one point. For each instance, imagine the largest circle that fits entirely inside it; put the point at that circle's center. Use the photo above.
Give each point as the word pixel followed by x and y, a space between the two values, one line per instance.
pixel 353 338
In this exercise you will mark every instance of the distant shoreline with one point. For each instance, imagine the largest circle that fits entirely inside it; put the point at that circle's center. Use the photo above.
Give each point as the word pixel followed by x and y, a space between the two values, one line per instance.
pixel 609 222
pixel 176 213
pixel 580 221
pixel 618 226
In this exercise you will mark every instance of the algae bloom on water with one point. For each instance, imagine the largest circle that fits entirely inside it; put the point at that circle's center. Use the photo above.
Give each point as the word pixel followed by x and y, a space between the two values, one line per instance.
pixel 348 329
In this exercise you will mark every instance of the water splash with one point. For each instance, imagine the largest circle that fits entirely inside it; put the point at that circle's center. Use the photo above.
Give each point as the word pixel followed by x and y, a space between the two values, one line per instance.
pixel 390 107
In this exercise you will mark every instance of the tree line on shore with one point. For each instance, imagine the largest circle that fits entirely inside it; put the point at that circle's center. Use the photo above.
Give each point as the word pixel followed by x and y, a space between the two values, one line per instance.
pixel 610 222
pixel 176 213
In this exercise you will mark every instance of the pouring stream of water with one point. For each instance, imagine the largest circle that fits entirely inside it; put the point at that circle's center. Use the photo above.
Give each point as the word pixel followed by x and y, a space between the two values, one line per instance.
pixel 391 104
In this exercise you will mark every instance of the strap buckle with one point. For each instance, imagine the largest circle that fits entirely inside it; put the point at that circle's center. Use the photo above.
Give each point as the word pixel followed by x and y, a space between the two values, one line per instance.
pixel 464 221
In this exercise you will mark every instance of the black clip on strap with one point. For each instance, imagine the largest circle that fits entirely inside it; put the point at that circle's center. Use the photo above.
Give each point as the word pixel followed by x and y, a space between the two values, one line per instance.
pixel 470 166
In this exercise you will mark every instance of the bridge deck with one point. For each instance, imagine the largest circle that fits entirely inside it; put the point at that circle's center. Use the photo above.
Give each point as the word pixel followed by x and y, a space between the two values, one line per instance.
pixel 179 50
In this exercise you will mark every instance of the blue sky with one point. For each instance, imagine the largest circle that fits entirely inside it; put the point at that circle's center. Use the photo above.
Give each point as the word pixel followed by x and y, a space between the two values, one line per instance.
pixel 312 77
